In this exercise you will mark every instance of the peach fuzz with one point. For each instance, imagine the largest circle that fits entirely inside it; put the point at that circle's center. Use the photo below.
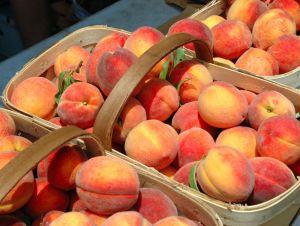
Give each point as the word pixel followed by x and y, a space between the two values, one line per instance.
pixel 132 114
pixel 241 138
pixel 270 26
pixel 246 11
pixel 267 104
pixel 193 144
pixel 45 198
pixel 64 165
pixel 154 205
pixel 73 219
pixel 152 143
pixel 22 191
pixel 109 43
pixel 35 95
pixel 111 67
pixel 126 218
pixel 7 124
pixel 182 174
pixel 14 143
pixel 272 178
pixel 176 221
pixel 8 220
pixel 223 61
pixel 222 105
pixel 279 137
pixel 79 104
pixel 249 95
pixel 213 20
pixel 50 217
pixel 286 51
pixel 259 62
pixel 187 117
pixel 159 98
pixel 96 218
pixel 193 27
pixel 107 185
pixel 235 43
pixel 192 76
pixel 233 178
pixel 292 7
pixel 70 59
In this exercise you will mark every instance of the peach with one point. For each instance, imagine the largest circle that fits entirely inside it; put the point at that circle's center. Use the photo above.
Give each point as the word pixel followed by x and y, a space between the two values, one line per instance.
pixel 222 105
pixel 109 43
pixel 247 11
pixel 278 137
pixel 270 25
pixel 56 120
pixel 132 114
pixel 14 143
pixel 50 217
pixel 226 174
pixel 35 95
pixel 190 76
pixel 268 104
pixel 152 143
pixel 213 20
pixel 295 167
pixel 154 205
pixel 182 174
pixel 107 185
pixel 241 138
pixel 286 51
pixel 7 124
pixel 193 27
pixel 159 98
pixel 193 144
pixel 22 191
pixel 125 218
pixel 7 220
pixel 292 7
pixel 79 104
pixel 169 171
pixel 111 67
pixel 75 203
pixel 259 62
pixel 45 198
pixel 224 62
pixel 176 221
pixel 42 166
pixel 249 95
pixel 237 40
pixel 272 178
pixel 73 219
pixel 70 59
pixel 187 117
pixel 64 165
pixel 96 218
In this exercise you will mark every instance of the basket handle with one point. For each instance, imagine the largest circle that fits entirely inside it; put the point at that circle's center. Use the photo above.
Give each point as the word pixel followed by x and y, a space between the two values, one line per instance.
pixel 114 103
pixel 15 170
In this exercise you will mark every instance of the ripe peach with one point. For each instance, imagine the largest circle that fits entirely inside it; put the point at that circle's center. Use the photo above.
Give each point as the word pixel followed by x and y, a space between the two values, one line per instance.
pixel 79 104
pixel 56 120
pixel 182 174
pixel 268 104
pixel 21 192
pixel 213 20
pixel 42 166
pixel 35 95
pixel 125 218
pixel 286 51
pixel 45 198
pixel 132 114
pixel 231 164
pixel 295 167
pixel 169 171
pixel 193 75
pixel 193 27
pixel 107 185
pixel 73 219
pixel 270 25
pixel 237 40
pixel 176 221
pixel 14 143
pixel 247 11
pixel 50 217
pixel 241 138
pixel 154 205
pixel 249 95
pixel 7 124
pixel 159 98
pixel 224 62
pixel 7 220
pixel 259 62
pixel 279 137
pixel 75 203
pixel 222 105
pixel 272 178
pixel 96 218
pixel 152 143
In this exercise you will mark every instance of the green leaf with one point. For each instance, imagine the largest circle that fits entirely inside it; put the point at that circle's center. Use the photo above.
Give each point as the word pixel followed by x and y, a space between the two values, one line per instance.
pixel 192 178
pixel 178 56
pixel 165 69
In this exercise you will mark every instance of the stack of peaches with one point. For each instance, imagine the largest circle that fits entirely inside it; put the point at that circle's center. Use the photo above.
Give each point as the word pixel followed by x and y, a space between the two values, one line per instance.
pixel 69 189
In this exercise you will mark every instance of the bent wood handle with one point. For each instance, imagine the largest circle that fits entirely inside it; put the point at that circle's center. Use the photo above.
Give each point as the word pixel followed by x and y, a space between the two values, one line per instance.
pixel 15 170
pixel 114 103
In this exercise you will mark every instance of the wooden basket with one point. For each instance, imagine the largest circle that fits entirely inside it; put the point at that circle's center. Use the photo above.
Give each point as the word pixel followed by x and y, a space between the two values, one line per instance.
pixel 46 141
